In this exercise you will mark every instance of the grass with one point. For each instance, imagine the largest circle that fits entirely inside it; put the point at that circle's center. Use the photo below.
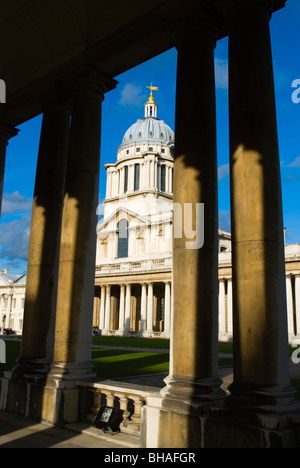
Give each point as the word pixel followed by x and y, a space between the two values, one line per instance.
pixel 131 342
pixel 118 363
pixel 112 363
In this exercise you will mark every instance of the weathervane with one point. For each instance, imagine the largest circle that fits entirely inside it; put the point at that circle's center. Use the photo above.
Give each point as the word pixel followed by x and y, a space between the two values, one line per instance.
pixel 153 88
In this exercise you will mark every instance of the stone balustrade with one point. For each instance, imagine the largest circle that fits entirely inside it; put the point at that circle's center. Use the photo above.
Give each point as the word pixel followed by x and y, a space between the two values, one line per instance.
pixel 129 399
pixel 153 264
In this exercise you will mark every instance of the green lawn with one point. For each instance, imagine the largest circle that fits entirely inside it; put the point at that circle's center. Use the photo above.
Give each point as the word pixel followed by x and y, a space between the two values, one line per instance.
pixel 112 363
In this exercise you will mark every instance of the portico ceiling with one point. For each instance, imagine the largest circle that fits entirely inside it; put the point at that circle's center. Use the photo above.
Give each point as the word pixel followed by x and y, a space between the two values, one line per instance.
pixel 48 42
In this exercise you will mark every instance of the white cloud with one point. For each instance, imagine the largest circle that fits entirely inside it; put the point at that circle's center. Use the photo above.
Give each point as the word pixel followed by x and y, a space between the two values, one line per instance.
pixel 223 171
pixel 221 73
pixel 224 221
pixel 132 96
pixel 295 163
pixel 16 203
pixel 14 238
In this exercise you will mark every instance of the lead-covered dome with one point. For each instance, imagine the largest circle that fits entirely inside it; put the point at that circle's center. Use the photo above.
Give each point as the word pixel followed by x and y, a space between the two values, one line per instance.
pixel 149 129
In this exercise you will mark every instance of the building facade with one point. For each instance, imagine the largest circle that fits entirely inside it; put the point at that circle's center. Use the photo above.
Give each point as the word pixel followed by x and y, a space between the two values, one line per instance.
pixel 12 298
pixel 133 293
pixel 133 278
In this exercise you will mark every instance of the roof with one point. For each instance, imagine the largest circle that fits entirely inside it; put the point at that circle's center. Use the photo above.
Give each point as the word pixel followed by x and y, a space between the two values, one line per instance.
pixel 13 279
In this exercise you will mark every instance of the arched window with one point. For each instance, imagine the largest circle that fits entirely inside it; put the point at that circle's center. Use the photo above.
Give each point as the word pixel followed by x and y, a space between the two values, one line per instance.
pixel 123 238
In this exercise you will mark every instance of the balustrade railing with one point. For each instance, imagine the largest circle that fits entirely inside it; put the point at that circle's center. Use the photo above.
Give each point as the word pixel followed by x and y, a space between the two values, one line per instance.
pixel 122 397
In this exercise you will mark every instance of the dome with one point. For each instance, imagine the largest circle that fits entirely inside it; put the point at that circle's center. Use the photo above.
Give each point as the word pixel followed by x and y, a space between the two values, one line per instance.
pixel 148 130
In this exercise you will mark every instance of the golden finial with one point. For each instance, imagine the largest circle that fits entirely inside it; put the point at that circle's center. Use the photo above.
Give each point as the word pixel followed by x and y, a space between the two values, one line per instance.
pixel 153 88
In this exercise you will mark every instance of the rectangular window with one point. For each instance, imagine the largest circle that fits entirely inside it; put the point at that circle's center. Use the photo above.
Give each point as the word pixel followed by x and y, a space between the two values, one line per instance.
pixel 163 178
pixel 125 179
pixel 136 177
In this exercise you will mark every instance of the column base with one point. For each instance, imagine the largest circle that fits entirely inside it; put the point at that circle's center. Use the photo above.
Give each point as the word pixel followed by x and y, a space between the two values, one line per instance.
pixel 45 400
pixel 226 428
pixel 270 399
pixel 72 371
pixel 194 392
pixel 30 369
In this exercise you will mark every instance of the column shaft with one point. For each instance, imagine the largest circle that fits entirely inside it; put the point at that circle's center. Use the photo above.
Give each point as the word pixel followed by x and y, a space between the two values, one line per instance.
pixel 74 313
pixel 127 308
pixel 194 361
pixel 102 308
pixel 222 308
pixel 144 308
pixel 107 309
pixel 122 309
pixel 261 357
pixel 43 253
pixel 167 315
pixel 297 303
pixel 150 309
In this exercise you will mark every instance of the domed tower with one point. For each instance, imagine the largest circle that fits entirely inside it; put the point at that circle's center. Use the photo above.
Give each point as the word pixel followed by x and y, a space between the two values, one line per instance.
pixel 144 162
pixel 134 245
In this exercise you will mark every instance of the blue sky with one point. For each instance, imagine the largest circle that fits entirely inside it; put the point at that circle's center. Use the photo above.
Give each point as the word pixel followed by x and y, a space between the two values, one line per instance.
pixel 124 105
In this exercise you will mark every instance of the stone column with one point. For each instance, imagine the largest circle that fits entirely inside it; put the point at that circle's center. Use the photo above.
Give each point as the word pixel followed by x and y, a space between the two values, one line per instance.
pixel 107 310
pixel 229 307
pixel 290 306
pixel 261 358
pixel 102 308
pixel 150 309
pixel 127 309
pixel 194 342
pixel 8 311
pixel 167 315
pixel 74 312
pixel 122 310
pixel 42 268
pixel 6 132
pixel 222 308
pixel 297 303
pixel 144 308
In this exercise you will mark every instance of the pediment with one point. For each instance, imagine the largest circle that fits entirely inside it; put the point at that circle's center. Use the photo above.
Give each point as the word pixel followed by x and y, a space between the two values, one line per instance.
pixel 111 223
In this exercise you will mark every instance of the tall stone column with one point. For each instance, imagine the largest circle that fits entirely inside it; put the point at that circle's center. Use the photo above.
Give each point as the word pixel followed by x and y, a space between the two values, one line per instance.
pixel 102 308
pixel 222 308
pixel 8 311
pixel 122 310
pixel 297 303
pixel 107 310
pixel 150 309
pixel 261 358
pixel 127 309
pixel 74 312
pixel 290 305
pixel 144 308
pixel 193 384
pixel 167 315
pixel 43 253
pixel 6 132
pixel 194 342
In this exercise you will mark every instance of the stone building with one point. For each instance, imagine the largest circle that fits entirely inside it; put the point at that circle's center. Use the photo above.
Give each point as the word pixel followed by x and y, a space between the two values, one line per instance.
pixel 12 298
pixel 60 59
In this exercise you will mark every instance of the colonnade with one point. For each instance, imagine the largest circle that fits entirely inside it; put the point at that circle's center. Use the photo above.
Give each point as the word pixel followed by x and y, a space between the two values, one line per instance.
pixel 149 177
pixel 126 318
pixel 57 342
